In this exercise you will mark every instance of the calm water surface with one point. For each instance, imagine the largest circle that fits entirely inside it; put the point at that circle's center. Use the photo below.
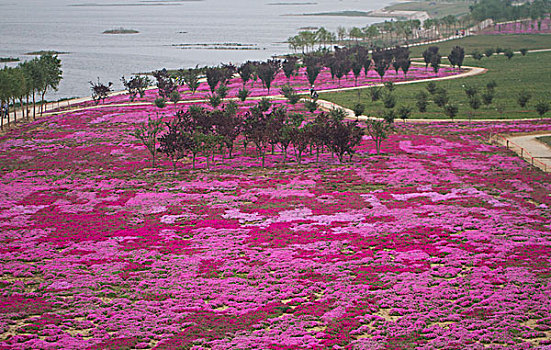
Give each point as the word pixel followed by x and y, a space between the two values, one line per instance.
pixel 76 27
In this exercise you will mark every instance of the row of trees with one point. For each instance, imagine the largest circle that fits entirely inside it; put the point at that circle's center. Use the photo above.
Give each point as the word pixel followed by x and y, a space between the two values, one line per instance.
pixel 27 80
pixel 506 10
pixel 388 33
pixel 265 126
pixel 341 63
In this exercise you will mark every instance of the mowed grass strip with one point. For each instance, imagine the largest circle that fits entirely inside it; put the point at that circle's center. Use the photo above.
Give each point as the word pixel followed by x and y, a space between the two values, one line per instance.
pixel 531 73
pixel 434 9
pixel 482 42
pixel 545 139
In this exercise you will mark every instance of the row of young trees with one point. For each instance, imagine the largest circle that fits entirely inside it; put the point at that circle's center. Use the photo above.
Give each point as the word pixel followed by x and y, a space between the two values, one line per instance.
pixel 265 126
pixel 341 63
pixel 27 80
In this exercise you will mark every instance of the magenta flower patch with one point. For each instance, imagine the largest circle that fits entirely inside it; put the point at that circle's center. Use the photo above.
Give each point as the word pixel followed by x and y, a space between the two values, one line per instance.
pixel 442 241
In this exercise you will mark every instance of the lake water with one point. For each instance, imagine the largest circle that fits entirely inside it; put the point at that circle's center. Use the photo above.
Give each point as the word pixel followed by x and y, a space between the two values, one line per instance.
pixel 76 27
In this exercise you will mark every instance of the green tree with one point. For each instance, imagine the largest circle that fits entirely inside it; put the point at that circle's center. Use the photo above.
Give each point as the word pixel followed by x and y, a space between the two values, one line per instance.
pixel 136 85
pixel 523 98
pixel 175 97
pixel 165 83
pixel 160 102
pixel 470 91
pixel 476 55
pixel 542 107
pixel 488 97
pixel 100 91
pixel 451 110
pixel 5 91
pixel 404 112
pixel 19 89
pixel 431 87
pixel 457 56
pixel 508 53
pixel 215 100
pixel 375 93
pixel 34 76
pixel 421 101
pixel 358 110
pixel 313 68
pixel 50 65
pixel 243 94
pixel 147 133
pixel 245 72
pixel 371 32
pixel 190 77
pixel 290 94
pixel 441 98
pixel 378 130
pixel 290 67
pixel 389 100
pixel 267 71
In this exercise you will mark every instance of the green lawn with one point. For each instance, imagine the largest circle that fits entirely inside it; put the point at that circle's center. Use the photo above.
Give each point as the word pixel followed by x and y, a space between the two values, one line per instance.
pixel 545 139
pixel 531 73
pixel 434 9
pixel 481 42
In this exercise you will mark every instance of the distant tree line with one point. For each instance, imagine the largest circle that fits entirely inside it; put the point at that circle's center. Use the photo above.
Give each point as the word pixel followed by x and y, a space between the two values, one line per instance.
pixel 507 10
pixel 386 34
pixel 29 79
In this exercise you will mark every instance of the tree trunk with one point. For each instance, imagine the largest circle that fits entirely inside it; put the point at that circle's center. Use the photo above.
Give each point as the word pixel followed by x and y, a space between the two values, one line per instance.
pixel 8 114
pixel 27 107
pixel 14 112
pixel 34 106
pixel 317 155
pixel 22 107
pixel 42 103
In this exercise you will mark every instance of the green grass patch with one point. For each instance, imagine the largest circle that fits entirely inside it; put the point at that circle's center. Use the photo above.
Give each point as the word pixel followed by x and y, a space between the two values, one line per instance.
pixel 545 139
pixel 434 9
pixel 45 52
pixel 530 73
pixel 339 14
pixel 9 59
pixel 481 42
pixel 120 31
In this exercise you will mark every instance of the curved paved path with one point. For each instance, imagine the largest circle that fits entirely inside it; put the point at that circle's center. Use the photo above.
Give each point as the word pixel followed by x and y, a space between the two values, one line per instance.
pixel 529 148
pixel 470 71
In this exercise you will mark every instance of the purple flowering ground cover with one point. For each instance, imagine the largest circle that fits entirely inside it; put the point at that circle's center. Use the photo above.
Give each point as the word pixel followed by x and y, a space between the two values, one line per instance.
pixel 299 82
pixel 443 241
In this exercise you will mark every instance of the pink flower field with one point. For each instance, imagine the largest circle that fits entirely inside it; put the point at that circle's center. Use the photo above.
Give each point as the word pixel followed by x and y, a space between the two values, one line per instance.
pixel 299 82
pixel 443 241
